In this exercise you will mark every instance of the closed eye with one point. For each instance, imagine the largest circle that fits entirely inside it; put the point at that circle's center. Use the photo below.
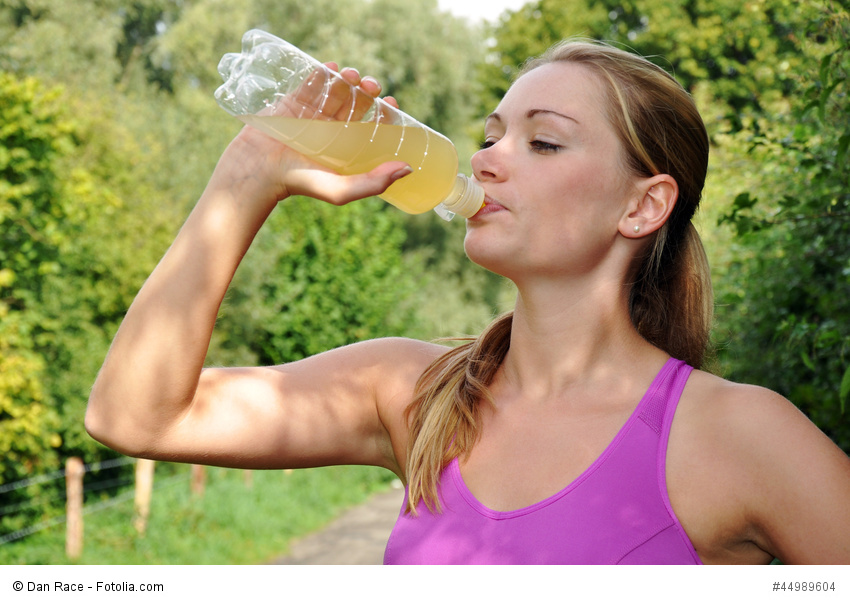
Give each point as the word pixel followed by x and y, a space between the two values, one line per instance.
pixel 544 147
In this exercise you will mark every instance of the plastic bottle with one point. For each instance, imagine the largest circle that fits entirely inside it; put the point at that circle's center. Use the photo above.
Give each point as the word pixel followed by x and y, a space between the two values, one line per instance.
pixel 280 90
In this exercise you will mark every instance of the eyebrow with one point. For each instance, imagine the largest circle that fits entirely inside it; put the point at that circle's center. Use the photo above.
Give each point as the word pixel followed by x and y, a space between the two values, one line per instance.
pixel 533 112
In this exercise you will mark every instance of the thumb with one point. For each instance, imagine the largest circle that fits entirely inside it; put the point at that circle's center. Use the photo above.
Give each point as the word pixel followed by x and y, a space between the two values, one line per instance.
pixel 379 179
pixel 341 189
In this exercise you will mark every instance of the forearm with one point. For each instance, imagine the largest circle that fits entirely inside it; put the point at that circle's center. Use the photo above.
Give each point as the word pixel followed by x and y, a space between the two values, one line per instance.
pixel 150 375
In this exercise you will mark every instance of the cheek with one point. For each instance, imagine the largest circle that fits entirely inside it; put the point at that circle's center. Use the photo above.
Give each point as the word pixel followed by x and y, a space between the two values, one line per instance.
pixel 591 197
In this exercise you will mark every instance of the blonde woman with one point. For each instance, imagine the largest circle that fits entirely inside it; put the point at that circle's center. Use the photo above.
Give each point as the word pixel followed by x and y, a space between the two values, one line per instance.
pixel 577 429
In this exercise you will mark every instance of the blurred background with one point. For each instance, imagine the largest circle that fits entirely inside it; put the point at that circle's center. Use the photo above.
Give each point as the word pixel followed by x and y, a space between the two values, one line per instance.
pixel 109 131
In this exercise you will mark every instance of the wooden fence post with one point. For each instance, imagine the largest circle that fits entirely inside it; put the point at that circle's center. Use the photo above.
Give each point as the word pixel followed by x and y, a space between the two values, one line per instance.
pixel 74 471
pixel 144 487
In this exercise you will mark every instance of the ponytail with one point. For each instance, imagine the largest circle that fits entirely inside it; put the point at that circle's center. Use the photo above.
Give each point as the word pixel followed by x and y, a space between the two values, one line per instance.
pixel 444 416
pixel 671 301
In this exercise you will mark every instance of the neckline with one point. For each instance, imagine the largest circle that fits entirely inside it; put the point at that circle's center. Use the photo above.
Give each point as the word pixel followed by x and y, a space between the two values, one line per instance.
pixel 454 466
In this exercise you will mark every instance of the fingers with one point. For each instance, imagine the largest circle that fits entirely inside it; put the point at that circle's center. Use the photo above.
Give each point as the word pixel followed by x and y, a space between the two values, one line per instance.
pixel 355 100
pixel 332 95
pixel 371 86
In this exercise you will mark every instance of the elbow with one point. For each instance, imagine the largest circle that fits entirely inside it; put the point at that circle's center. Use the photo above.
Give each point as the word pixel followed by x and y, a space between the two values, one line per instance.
pixel 107 430
pixel 100 428
pixel 94 424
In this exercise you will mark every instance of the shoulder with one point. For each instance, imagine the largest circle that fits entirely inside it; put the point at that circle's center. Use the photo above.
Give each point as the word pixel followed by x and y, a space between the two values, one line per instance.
pixel 387 367
pixel 785 482
pixel 391 367
pixel 765 432
pixel 387 356
pixel 392 357
pixel 748 418
pixel 717 403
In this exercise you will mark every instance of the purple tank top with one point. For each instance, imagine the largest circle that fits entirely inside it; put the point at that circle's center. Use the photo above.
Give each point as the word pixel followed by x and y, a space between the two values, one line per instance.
pixel 616 512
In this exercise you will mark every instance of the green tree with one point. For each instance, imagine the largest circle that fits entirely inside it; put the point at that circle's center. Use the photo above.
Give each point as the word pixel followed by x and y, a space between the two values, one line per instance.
pixel 33 135
pixel 789 327
pixel 319 277
pixel 746 52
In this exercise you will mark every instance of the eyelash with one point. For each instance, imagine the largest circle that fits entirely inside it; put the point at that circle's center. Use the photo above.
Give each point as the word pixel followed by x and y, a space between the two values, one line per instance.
pixel 539 146
pixel 544 147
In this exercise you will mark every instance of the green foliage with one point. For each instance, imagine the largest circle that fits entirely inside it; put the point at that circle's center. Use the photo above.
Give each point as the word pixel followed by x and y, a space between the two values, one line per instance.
pixel 319 277
pixel 33 135
pixel 789 327
pixel 65 41
pixel 28 427
pixel 747 52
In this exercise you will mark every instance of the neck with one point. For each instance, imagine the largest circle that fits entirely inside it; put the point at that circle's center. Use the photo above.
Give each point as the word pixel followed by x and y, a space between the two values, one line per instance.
pixel 572 337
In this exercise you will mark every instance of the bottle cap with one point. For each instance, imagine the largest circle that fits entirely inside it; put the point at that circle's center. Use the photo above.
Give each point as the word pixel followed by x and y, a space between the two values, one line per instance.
pixel 466 199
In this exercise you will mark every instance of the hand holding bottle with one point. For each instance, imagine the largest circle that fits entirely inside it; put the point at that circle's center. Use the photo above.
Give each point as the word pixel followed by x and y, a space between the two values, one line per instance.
pixel 332 119
pixel 279 171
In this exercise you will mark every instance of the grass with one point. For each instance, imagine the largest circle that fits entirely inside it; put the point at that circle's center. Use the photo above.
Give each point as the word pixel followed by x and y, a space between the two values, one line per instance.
pixel 231 523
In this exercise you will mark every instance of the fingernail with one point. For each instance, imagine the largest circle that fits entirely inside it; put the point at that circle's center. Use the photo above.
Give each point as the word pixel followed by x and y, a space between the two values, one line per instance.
pixel 372 80
pixel 401 172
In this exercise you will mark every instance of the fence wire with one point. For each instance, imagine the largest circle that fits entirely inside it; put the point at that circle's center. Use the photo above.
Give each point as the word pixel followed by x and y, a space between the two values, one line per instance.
pixel 87 489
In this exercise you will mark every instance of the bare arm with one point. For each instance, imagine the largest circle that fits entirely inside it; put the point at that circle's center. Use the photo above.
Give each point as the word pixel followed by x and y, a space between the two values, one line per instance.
pixel 151 397
pixel 752 478
pixel 801 480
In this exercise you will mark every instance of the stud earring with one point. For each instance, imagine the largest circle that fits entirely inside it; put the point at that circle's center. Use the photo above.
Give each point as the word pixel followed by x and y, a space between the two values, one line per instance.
pixel 637 228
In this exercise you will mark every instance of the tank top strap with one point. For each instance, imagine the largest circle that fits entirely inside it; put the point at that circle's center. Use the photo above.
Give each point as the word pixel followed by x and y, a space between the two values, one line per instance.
pixel 658 412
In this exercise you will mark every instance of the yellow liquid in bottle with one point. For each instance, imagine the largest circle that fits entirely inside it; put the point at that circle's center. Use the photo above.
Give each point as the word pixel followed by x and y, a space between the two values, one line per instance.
pixel 355 147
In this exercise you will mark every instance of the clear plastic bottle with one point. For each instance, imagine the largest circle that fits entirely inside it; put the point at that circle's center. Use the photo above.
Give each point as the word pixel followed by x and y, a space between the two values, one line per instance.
pixel 280 90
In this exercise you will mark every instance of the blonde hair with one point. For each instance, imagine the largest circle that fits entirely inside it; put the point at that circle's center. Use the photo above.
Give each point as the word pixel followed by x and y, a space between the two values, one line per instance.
pixel 670 300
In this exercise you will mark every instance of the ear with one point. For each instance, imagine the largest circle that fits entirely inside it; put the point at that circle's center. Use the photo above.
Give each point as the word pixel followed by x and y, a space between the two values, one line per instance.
pixel 651 206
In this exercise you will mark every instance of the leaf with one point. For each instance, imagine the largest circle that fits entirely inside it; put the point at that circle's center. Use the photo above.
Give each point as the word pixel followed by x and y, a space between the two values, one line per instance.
pixel 744 201
pixel 823 72
pixel 843 144
pixel 807 361
pixel 844 390
pixel 824 98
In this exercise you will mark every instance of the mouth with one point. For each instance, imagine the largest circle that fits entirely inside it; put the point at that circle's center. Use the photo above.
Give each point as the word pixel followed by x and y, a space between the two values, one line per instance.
pixel 490 206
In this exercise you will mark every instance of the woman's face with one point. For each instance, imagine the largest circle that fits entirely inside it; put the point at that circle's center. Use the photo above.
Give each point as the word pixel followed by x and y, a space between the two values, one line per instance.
pixel 555 178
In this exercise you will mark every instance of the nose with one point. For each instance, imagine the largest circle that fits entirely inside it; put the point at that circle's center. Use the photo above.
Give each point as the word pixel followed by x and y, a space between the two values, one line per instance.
pixel 487 164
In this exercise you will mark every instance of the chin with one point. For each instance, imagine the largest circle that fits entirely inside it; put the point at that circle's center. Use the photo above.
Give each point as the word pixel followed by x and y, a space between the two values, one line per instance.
pixel 488 255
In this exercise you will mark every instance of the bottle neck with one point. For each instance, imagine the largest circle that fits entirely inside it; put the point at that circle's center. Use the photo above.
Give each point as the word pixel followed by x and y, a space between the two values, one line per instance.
pixel 465 199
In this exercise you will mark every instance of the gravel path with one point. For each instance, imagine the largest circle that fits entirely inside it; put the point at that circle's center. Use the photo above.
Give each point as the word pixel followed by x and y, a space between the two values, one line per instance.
pixel 357 537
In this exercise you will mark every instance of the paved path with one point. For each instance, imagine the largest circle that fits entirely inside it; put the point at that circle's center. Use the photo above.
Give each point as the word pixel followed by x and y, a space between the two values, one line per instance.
pixel 357 537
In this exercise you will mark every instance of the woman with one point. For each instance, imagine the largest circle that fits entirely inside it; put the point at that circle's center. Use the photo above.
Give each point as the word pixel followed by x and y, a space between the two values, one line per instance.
pixel 570 431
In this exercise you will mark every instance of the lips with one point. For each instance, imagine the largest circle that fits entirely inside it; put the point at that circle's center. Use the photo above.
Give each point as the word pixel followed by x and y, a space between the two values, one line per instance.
pixel 490 206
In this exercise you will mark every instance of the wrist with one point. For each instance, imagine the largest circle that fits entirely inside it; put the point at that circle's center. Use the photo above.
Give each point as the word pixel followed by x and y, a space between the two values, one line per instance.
pixel 251 169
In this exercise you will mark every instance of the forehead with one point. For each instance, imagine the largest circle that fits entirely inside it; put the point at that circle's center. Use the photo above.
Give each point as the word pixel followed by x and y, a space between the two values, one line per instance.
pixel 559 86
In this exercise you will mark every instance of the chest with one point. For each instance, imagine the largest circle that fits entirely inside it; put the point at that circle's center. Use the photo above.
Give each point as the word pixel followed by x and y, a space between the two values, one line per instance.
pixel 524 458
pixel 612 511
